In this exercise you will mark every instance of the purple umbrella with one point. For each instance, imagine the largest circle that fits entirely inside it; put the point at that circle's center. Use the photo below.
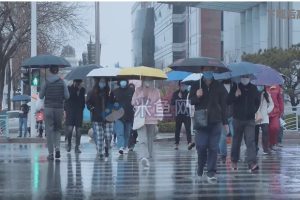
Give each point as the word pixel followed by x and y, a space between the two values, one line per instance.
pixel 267 76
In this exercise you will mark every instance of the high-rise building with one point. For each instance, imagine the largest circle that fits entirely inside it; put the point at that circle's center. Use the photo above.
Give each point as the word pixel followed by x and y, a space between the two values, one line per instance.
pixel 179 32
pixel 91 52
pixel 85 58
pixel 143 34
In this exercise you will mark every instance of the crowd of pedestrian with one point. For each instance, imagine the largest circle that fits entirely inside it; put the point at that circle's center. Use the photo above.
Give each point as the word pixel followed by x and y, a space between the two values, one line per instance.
pixel 223 109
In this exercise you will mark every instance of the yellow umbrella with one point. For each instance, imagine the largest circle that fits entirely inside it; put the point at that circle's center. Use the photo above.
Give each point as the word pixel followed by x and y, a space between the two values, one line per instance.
pixel 142 72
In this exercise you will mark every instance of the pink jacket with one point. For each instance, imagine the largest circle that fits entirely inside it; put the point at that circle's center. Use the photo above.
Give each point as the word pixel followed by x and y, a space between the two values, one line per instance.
pixel 277 97
pixel 153 110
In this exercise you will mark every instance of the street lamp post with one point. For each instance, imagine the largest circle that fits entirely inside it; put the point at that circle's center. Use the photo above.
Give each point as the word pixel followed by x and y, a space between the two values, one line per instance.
pixel 97 32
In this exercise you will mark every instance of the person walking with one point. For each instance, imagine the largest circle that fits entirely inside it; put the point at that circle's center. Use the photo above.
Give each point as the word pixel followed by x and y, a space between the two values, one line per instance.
pixel 74 107
pixel 98 101
pixel 262 119
pixel 123 126
pixel 209 98
pixel 146 100
pixel 274 117
pixel 224 134
pixel 23 116
pixel 55 91
pixel 182 113
pixel 245 100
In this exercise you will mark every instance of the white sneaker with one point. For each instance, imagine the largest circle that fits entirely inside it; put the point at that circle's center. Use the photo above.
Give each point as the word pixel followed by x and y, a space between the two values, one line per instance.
pixel 121 151
pixel 126 150
pixel 212 179
pixel 145 162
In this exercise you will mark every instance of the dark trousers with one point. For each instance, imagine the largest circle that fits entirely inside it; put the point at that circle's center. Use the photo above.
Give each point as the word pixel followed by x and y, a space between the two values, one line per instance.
pixel 207 144
pixel 77 137
pixel 186 120
pixel 265 136
pixel 244 129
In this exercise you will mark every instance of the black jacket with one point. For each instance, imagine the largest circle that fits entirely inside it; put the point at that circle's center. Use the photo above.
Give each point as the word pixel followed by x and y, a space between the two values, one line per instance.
pixel 213 99
pixel 123 96
pixel 25 109
pixel 74 106
pixel 246 105
pixel 97 102
pixel 180 104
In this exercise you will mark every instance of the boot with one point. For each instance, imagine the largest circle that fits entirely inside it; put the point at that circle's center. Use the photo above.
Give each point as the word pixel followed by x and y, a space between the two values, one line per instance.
pixel 77 150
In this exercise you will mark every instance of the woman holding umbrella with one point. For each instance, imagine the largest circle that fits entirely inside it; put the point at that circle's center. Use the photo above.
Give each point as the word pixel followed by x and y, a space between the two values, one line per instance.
pixel 98 101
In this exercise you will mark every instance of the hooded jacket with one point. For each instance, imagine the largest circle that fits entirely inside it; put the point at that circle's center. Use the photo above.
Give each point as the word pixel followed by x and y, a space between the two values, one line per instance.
pixel 123 96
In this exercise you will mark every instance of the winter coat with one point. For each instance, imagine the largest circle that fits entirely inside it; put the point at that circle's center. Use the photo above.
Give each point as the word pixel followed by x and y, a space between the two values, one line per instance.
pixel 74 106
pixel 124 96
pixel 98 101
pixel 265 108
pixel 213 99
pixel 277 97
pixel 153 108
pixel 246 105
pixel 181 108
pixel 55 92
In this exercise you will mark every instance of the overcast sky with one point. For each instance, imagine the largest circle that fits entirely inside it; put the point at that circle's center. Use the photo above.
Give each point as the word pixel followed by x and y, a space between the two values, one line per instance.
pixel 115 32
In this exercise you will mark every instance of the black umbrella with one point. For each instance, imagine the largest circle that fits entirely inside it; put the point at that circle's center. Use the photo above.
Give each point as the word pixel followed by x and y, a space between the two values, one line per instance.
pixel 45 61
pixel 197 65
pixel 80 73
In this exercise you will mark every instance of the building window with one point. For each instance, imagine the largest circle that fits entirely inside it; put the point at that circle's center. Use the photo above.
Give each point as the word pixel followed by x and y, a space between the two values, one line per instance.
pixel 178 55
pixel 179 32
pixel 177 9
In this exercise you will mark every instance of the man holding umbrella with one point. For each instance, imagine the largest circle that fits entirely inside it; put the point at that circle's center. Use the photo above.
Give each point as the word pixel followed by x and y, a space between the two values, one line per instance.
pixel 54 91
pixel 74 107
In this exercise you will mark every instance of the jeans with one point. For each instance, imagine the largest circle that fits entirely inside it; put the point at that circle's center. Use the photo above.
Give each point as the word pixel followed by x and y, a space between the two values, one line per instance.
pixel 207 140
pixel 22 124
pixel 122 130
pixel 186 120
pixel 146 137
pixel 244 129
pixel 223 138
pixel 70 134
pixel 265 136
pixel 53 127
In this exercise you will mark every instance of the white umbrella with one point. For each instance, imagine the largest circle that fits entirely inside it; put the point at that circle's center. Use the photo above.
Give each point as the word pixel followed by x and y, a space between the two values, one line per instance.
pixel 108 72
pixel 193 77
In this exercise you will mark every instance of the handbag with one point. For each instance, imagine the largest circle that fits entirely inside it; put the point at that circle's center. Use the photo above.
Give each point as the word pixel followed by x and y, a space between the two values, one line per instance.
pixel 139 117
pixel 200 118
pixel 258 117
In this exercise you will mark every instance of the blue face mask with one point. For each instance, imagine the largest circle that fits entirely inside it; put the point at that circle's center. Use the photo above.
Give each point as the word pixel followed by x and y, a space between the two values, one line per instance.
pixel 208 75
pixel 123 84
pixel 102 85
pixel 260 88
pixel 188 88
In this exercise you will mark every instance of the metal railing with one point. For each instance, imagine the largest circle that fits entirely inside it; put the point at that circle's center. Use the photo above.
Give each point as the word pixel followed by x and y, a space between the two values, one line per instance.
pixel 4 126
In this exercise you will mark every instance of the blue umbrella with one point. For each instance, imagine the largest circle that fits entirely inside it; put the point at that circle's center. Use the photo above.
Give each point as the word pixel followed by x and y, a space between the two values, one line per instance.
pixel 268 76
pixel 177 75
pixel 239 69
pixel 21 98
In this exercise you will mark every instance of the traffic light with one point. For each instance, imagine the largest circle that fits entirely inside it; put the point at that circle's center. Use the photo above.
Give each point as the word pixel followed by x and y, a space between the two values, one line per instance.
pixel 25 76
pixel 35 77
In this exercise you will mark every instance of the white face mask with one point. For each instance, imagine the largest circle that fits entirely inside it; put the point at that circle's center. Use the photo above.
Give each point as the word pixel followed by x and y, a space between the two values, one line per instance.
pixel 147 83
pixel 227 86
pixel 245 81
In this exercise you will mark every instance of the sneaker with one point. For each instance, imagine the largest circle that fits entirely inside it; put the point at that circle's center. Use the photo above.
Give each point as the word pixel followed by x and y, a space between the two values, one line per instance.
pixel 212 179
pixel 279 145
pixel 234 166
pixel 191 145
pixel 50 157
pixel 126 150
pixel 254 168
pixel 176 146
pixel 57 154
pixel 101 156
pixel 69 148
pixel 266 153
pixel 145 162
pixel 273 148
pixel 77 150
pixel 200 178
pixel 121 151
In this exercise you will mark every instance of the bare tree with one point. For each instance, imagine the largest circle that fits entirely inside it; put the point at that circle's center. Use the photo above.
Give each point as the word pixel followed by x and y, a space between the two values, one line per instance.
pixel 55 21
